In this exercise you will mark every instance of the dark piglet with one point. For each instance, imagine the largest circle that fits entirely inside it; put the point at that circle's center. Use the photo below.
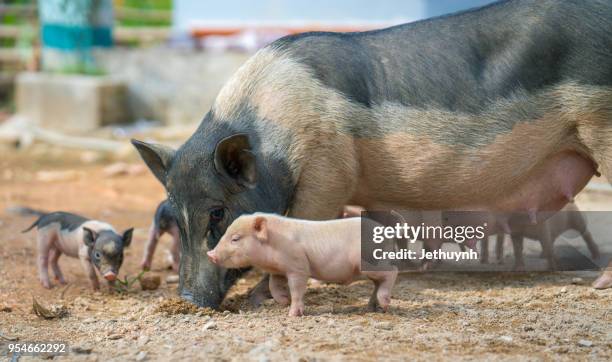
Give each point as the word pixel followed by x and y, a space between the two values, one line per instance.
pixel 163 222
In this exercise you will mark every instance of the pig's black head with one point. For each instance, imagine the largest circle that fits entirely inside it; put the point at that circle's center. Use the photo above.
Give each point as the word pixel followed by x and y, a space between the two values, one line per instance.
pixel 216 176
pixel 106 250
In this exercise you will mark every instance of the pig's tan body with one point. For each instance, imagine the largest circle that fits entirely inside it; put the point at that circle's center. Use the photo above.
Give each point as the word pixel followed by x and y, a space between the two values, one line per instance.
pixel 296 250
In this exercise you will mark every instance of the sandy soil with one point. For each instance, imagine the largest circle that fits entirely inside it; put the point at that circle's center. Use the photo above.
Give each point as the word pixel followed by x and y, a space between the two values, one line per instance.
pixel 441 316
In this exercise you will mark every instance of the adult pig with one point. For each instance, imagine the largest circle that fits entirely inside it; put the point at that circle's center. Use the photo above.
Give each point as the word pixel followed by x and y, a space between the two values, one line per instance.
pixel 503 108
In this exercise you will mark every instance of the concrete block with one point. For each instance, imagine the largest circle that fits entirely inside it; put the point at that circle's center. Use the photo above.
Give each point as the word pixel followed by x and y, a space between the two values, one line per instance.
pixel 72 103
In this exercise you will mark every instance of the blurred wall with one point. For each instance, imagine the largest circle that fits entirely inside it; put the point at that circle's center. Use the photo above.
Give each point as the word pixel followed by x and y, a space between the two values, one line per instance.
pixel 189 13
pixel 177 86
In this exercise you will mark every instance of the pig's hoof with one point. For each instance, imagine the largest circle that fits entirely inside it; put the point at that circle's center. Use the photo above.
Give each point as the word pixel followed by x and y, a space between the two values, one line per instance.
pixel 603 282
pixel 296 312
pixel 384 302
pixel 46 284
pixel 62 281
pixel 372 306
pixel 282 299
pixel 256 299
pixel 145 266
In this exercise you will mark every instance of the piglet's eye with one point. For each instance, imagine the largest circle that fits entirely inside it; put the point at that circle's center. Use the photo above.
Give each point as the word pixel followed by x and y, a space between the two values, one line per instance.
pixel 235 238
pixel 97 255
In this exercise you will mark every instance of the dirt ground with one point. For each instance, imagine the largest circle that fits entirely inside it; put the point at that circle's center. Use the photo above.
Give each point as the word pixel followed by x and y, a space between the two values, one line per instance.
pixel 439 316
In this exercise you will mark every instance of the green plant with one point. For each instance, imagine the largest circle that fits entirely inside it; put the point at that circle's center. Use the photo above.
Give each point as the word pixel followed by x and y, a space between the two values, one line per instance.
pixel 125 285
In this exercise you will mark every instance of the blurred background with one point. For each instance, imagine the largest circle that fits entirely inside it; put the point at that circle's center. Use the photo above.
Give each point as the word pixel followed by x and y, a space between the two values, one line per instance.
pixel 77 66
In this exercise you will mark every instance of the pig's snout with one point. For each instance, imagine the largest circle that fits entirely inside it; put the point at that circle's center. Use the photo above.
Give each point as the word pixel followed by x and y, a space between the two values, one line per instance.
pixel 110 276
pixel 212 256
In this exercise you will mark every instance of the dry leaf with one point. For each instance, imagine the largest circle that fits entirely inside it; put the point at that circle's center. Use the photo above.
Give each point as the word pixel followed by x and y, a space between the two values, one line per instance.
pixel 51 313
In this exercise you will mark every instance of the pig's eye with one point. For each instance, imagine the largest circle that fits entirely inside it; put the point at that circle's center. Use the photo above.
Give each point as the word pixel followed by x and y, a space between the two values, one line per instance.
pixel 235 238
pixel 217 214
pixel 97 255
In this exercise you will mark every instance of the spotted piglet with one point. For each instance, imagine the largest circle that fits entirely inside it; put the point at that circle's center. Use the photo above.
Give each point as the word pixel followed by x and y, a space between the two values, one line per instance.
pixel 95 243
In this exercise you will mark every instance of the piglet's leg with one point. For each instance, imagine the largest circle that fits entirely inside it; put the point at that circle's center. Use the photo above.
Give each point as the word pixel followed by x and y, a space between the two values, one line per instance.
pixel 44 241
pixel 55 254
pixel 484 250
pixel 605 280
pixel 154 235
pixel 373 303
pixel 547 250
pixel 383 283
pixel 91 273
pixel 499 247
pixel 297 288
pixel 517 245
pixel 278 288
pixel 588 239
pixel 383 295
pixel 260 292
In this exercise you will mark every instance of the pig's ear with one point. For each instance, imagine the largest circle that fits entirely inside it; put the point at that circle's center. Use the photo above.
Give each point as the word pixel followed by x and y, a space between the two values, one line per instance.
pixel 127 237
pixel 261 228
pixel 157 157
pixel 234 158
pixel 89 237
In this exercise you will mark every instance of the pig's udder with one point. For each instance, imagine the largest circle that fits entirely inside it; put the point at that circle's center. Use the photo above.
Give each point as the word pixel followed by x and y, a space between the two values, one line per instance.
pixel 550 185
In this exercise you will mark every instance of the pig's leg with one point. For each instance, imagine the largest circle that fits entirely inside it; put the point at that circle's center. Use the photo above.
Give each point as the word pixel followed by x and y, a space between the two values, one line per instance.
pixel 517 245
pixel 605 279
pixel 547 250
pixel 278 288
pixel 260 292
pixel 383 282
pixel 55 254
pixel 484 251
pixel 499 247
pixel 373 303
pixel 45 238
pixel 383 294
pixel 154 235
pixel 588 239
pixel 297 288
pixel 91 273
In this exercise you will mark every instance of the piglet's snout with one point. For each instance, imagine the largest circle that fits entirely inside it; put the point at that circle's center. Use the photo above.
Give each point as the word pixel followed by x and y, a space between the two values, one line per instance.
pixel 110 276
pixel 212 256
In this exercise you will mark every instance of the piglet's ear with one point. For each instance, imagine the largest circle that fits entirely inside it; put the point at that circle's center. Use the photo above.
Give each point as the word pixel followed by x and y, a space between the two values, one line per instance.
pixel 260 226
pixel 89 237
pixel 127 237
